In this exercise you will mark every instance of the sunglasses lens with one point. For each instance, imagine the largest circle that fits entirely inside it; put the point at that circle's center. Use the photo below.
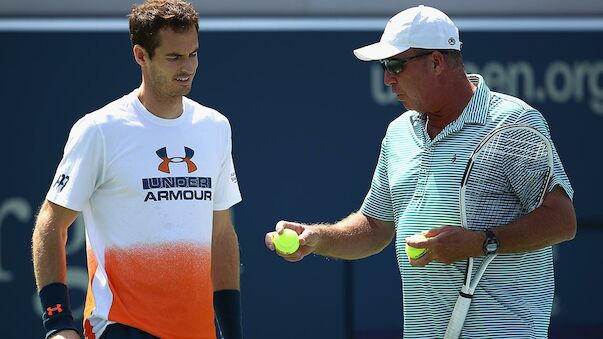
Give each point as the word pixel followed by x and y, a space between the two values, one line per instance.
pixel 392 66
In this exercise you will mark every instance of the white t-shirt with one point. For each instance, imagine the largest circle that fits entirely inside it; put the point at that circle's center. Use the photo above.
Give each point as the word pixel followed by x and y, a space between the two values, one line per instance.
pixel 148 188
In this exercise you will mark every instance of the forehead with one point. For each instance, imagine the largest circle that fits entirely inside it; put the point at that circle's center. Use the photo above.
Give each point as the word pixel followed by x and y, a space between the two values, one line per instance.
pixel 171 41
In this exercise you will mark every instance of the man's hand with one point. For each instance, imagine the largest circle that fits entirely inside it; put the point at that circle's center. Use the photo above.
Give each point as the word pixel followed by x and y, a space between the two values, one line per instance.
pixel 448 244
pixel 308 239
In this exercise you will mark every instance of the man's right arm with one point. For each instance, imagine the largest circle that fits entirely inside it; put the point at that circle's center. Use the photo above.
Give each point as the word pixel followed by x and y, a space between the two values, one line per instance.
pixel 357 236
pixel 48 249
pixel 48 243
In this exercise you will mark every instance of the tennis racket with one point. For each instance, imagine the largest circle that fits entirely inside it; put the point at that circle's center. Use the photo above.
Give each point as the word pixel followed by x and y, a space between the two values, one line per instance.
pixel 515 158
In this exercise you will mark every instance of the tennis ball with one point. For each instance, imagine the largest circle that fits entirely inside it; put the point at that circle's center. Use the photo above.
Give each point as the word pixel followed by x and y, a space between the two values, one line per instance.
pixel 416 253
pixel 286 242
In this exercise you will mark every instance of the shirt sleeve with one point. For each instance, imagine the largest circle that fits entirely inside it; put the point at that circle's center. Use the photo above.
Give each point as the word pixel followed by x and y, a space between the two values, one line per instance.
pixel 226 193
pixel 80 170
pixel 377 203
pixel 559 177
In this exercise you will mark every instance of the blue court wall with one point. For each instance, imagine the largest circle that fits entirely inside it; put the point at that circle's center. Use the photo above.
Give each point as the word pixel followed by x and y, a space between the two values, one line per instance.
pixel 307 120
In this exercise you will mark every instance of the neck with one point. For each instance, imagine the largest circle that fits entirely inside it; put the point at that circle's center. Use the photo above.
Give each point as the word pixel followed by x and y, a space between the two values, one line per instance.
pixel 166 107
pixel 460 90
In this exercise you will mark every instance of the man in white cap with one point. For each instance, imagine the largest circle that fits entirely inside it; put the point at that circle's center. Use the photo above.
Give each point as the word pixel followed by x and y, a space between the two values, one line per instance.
pixel 415 189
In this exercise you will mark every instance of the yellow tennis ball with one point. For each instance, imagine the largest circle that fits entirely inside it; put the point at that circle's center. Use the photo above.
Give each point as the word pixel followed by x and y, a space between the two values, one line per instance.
pixel 416 253
pixel 287 242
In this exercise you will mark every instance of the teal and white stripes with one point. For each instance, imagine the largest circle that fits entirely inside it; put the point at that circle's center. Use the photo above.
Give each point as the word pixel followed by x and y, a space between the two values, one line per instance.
pixel 416 185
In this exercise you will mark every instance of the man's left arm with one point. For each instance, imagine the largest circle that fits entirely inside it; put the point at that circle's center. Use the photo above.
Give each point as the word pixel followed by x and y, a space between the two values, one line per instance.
pixel 552 223
pixel 225 275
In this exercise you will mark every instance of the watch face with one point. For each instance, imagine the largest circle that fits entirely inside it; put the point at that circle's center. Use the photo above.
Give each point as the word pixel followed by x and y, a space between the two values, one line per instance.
pixel 491 247
pixel 491 244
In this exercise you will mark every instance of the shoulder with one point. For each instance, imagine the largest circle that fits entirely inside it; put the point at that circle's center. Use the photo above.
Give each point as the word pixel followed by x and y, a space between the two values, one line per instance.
pixel 204 114
pixel 506 109
pixel 113 113
pixel 506 105
pixel 509 102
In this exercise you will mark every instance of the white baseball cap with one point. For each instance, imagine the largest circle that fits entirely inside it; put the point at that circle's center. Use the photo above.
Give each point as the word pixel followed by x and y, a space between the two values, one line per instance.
pixel 416 27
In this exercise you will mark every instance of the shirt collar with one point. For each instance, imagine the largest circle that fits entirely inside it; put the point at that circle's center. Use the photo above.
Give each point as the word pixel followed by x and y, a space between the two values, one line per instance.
pixel 476 111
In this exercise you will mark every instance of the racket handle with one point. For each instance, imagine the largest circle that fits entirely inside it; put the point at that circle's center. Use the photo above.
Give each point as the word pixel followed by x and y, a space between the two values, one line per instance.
pixel 461 308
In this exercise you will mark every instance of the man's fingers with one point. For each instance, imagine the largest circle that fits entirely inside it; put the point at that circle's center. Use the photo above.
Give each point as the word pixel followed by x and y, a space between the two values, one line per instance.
pixel 297 255
pixel 308 238
pixel 269 240
pixel 281 225
pixel 422 261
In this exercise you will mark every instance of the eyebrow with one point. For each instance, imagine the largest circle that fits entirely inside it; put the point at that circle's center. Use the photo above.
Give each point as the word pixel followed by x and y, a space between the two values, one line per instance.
pixel 179 55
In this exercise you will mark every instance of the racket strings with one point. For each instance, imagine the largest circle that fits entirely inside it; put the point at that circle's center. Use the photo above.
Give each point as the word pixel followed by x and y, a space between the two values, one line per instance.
pixel 517 146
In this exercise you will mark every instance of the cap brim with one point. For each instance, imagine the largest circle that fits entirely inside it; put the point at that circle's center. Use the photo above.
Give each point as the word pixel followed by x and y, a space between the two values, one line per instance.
pixel 378 51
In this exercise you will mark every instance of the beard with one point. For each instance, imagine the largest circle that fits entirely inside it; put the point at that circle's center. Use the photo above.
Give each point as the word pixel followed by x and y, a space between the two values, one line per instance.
pixel 167 86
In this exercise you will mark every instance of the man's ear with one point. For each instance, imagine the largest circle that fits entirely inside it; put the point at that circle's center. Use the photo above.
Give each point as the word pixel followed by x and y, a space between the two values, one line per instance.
pixel 140 54
pixel 439 62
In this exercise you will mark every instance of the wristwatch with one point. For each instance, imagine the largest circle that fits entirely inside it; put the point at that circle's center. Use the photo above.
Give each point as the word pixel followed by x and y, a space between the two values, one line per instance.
pixel 490 244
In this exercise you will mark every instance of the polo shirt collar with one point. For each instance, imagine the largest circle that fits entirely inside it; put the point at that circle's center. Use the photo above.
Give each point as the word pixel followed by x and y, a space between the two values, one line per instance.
pixel 476 111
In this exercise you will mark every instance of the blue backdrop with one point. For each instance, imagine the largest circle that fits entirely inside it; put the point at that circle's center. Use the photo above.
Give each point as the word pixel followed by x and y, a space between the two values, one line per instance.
pixel 307 121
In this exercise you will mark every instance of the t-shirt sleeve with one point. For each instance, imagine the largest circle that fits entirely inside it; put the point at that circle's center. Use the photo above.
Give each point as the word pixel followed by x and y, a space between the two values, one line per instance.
pixel 559 178
pixel 80 170
pixel 227 191
pixel 377 203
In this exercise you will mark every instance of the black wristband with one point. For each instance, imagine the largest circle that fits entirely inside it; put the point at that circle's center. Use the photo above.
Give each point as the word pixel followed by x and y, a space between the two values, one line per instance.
pixel 227 307
pixel 57 310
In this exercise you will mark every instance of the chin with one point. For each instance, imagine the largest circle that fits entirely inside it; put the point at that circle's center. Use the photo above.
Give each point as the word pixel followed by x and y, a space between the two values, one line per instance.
pixel 406 105
pixel 182 91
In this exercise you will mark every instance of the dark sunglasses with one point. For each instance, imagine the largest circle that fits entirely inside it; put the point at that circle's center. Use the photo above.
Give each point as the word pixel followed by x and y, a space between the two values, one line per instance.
pixel 396 66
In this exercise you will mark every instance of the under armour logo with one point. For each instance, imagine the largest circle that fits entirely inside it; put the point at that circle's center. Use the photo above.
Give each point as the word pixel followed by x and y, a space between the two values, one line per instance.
pixel 164 166
pixel 61 182
pixel 51 310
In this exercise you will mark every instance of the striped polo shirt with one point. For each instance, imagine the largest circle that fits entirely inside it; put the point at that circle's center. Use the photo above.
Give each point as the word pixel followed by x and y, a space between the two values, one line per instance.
pixel 416 185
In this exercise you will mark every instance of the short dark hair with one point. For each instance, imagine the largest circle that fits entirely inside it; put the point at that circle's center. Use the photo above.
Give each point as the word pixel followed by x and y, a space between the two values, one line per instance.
pixel 147 19
pixel 453 57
